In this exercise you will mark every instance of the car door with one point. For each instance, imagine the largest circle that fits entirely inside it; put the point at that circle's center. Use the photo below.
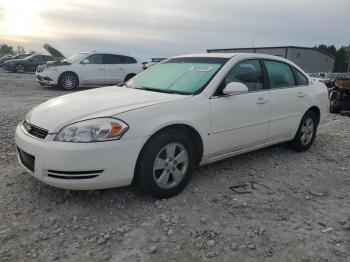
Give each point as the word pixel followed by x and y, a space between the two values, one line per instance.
pixel 92 70
pixel 240 121
pixel 290 94
pixel 113 69
pixel 34 62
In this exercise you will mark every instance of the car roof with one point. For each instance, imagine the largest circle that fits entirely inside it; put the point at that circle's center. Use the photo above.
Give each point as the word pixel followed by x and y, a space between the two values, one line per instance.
pixel 217 55
pixel 230 55
pixel 237 55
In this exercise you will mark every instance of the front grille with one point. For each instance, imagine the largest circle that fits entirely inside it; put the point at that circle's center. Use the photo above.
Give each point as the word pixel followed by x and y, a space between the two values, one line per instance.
pixel 26 159
pixel 34 130
pixel 74 174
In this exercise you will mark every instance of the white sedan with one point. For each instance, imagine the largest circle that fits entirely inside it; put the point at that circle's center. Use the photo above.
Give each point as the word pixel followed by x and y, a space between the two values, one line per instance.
pixel 156 129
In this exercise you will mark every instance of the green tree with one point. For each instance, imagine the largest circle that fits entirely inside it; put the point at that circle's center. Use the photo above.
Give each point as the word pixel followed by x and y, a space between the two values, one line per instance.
pixel 6 49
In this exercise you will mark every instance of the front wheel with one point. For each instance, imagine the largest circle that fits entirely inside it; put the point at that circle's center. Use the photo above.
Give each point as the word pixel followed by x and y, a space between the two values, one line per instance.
pixel 19 68
pixel 306 133
pixel 68 81
pixel 166 164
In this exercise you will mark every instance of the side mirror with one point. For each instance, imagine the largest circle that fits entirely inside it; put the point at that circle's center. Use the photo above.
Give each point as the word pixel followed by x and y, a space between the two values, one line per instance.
pixel 85 61
pixel 234 88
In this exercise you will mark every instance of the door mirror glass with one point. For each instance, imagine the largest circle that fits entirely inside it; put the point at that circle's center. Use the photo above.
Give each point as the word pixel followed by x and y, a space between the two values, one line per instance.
pixel 85 61
pixel 235 88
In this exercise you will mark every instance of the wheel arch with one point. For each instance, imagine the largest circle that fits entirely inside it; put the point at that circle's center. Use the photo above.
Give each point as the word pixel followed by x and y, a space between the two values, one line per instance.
pixel 129 76
pixel 193 134
pixel 317 112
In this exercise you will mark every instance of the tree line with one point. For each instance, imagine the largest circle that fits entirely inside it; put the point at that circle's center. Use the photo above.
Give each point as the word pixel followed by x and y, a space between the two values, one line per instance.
pixel 7 49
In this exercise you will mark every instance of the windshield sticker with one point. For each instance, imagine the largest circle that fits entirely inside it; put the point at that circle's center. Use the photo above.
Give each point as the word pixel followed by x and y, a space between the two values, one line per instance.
pixel 201 68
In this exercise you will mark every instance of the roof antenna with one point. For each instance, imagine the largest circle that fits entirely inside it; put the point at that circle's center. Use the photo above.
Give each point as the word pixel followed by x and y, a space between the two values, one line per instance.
pixel 253 41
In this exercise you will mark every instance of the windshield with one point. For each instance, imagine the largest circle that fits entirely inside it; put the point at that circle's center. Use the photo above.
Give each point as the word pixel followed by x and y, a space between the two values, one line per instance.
pixel 76 57
pixel 187 75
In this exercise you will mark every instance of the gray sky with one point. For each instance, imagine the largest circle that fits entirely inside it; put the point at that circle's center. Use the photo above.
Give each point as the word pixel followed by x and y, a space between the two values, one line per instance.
pixel 157 28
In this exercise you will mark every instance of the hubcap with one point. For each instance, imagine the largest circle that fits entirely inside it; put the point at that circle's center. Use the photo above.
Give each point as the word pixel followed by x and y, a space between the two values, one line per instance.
pixel 170 166
pixel 68 82
pixel 307 131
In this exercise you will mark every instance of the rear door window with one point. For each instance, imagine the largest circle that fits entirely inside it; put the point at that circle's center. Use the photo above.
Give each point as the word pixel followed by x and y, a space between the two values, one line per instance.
pixel 280 74
pixel 112 59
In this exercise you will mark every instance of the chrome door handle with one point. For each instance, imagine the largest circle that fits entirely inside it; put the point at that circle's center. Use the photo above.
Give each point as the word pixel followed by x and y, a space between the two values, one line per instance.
pixel 262 100
pixel 101 69
pixel 301 94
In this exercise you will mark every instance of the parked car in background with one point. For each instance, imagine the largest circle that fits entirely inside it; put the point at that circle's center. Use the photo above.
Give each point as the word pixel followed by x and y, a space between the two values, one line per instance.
pixel 184 112
pixel 153 62
pixel 88 68
pixel 29 63
pixel 4 58
pixel 327 78
pixel 340 95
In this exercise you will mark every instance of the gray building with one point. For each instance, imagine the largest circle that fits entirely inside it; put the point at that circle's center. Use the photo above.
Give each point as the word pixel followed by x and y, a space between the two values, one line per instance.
pixel 311 60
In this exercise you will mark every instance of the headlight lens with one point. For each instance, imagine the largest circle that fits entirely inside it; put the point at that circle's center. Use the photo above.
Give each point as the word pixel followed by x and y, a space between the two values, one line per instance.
pixel 94 130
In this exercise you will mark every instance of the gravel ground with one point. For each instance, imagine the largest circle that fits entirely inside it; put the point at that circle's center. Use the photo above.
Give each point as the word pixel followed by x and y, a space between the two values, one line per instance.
pixel 299 210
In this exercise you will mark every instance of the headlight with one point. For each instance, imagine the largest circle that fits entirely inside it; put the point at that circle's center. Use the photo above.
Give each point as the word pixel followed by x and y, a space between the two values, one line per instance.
pixel 93 130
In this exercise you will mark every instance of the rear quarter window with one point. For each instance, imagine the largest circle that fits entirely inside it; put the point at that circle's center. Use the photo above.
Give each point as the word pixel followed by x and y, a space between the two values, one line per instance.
pixel 300 78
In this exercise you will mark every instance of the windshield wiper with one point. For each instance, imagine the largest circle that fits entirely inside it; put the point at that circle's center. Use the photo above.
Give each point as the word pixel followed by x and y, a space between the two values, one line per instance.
pixel 167 91
pixel 160 90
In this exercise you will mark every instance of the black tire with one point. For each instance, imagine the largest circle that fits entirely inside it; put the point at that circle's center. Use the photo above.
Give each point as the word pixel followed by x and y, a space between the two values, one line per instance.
pixel 19 68
pixel 334 106
pixel 128 77
pixel 299 143
pixel 146 176
pixel 68 81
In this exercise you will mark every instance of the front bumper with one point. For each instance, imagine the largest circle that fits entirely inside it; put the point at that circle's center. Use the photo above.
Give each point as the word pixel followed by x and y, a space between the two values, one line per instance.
pixel 48 77
pixel 60 163
pixel 8 66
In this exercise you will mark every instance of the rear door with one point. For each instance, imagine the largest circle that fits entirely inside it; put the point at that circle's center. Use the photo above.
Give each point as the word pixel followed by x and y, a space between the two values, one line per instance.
pixel 92 70
pixel 290 99
pixel 114 69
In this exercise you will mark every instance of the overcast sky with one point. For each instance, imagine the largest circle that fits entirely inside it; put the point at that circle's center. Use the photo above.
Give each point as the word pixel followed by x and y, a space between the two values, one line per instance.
pixel 162 28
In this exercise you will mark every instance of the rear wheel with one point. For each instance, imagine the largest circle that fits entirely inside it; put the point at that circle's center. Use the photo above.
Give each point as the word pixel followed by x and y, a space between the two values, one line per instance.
pixel 166 164
pixel 128 77
pixel 306 133
pixel 68 81
pixel 19 68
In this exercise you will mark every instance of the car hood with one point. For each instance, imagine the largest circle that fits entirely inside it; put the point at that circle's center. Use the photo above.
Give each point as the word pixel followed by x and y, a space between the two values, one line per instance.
pixel 14 60
pixel 100 102
pixel 53 52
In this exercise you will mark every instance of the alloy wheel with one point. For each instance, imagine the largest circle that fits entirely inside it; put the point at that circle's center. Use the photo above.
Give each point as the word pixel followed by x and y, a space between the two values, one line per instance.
pixel 307 131
pixel 170 166
pixel 68 82
pixel 20 68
